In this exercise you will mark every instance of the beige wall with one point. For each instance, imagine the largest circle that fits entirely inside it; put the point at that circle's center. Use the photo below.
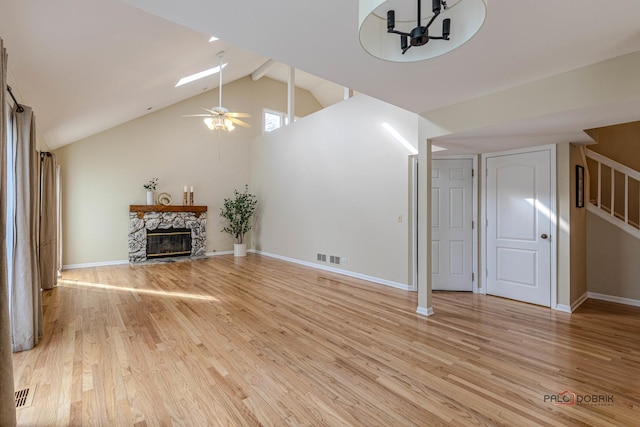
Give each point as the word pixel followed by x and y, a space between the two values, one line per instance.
pixel 103 174
pixel 612 254
pixel 337 183
pixel 572 280
pixel 578 240
pixel 619 143
pixel 612 260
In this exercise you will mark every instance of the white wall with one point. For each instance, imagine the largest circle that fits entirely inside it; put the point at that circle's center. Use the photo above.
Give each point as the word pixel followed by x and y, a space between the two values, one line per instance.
pixel 103 174
pixel 336 183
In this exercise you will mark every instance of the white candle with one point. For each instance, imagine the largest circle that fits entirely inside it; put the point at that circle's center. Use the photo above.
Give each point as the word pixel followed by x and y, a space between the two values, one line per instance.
pixel 185 188
pixel 192 188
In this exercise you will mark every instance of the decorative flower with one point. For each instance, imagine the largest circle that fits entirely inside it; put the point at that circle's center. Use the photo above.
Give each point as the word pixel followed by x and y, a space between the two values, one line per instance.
pixel 151 185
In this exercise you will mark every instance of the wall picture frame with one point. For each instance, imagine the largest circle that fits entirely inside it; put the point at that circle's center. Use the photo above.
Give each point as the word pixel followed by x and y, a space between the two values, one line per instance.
pixel 579 186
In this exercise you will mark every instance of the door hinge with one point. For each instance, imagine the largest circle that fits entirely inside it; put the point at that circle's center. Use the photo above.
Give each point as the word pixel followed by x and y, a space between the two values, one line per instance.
pixel 473 225
pixel 487 272
pixel 473 173
pixel 473 277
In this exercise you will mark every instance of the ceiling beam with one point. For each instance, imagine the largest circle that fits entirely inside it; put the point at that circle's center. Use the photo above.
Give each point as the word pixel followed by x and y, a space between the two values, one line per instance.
pixel 262 70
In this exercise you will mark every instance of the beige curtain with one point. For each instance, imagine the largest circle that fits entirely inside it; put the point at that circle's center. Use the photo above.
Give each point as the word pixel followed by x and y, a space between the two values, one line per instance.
pixel 7 399
pixel 24 277
pixel 48 256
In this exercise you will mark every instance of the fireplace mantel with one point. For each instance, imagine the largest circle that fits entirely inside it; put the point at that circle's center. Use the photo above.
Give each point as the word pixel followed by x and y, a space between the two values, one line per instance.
pixel 141 209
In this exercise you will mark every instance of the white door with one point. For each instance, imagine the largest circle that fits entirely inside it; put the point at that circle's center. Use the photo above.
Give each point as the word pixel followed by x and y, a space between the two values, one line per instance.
pixel 519 227
pixel 452 227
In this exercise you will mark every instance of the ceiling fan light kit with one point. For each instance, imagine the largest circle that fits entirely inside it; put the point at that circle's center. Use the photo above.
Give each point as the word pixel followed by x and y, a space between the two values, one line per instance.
pixel 219 118
pixel 400 31
pixel 219 123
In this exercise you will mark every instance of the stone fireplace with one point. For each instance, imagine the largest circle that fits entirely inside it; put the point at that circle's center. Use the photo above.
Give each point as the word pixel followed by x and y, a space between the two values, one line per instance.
pixel 157 231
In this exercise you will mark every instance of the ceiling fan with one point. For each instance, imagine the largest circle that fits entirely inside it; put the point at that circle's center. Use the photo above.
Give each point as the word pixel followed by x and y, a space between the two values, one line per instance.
pixel 220 118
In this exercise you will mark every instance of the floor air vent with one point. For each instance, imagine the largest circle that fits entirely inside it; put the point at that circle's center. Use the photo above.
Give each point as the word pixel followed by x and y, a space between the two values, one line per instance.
pixel 24 397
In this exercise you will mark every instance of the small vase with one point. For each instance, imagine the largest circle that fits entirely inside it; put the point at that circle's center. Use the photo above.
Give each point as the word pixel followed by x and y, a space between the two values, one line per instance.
pixel 239 249
pixel 150 197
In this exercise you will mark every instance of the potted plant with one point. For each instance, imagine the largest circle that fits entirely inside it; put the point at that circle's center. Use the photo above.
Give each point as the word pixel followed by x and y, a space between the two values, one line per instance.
pixel 239 210
pixel 151 188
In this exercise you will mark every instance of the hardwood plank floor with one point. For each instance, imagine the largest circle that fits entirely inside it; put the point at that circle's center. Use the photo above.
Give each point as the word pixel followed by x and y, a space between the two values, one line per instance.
pixel 259 341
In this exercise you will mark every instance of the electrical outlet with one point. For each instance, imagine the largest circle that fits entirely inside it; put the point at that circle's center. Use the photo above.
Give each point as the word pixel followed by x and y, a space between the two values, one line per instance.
pixel 343 260
pixel 400 218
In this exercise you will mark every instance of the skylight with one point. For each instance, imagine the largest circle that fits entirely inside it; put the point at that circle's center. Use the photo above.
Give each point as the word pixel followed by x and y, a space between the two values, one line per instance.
pixel 199 75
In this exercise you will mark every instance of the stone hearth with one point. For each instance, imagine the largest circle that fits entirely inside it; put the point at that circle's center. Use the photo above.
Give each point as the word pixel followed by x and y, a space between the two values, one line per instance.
pixel 143 218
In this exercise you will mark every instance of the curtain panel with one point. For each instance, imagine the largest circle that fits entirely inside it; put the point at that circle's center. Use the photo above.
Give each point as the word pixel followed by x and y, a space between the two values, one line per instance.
pixel 48 243
pixel 24 276
pixel 7 399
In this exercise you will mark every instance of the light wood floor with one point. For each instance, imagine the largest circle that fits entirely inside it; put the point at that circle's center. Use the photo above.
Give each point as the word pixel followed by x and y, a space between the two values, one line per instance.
pixel 259 341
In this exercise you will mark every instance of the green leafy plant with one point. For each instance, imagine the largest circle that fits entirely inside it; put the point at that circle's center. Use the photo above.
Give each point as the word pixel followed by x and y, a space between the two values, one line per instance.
pixel 238 211
pixel 151 185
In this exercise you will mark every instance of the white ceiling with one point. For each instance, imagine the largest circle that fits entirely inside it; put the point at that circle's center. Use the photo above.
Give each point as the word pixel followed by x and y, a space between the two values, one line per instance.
pixel 87 65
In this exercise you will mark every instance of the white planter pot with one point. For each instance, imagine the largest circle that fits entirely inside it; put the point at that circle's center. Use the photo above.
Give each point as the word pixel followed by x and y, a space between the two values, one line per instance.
pixel 150 197
pixel 240 249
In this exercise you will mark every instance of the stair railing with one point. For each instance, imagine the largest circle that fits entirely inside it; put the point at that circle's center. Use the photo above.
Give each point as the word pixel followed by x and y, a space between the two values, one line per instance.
pixel 605 188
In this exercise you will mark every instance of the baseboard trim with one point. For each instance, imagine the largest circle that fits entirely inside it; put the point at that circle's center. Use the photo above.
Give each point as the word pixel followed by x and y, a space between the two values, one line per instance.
pixel 94 264
pixel 611 298
pixel 563 308
pixel 120 262
pixel 573 307
pixel 577 303
pixel 425 311
pixel 219 253
pixel 377 280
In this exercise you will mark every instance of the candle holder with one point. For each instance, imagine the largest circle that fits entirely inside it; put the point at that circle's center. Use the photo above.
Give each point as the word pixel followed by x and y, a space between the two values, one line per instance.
pixel 191 198
pixel 185 200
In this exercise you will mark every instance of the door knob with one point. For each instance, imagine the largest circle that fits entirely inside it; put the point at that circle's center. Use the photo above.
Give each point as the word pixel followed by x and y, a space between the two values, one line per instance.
pixel 544 236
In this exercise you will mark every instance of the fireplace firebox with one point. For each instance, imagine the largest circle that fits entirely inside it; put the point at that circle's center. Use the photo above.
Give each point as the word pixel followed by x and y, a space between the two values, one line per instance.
pixel 171 242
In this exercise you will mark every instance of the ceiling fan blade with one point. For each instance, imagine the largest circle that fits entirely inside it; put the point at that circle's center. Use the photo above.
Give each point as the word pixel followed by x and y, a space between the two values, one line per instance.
pixel 197 115
pixel 239 115
pixel 239 122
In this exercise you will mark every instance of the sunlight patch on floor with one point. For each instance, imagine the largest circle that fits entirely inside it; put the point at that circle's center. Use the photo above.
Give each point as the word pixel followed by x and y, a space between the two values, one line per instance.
pixel 78 283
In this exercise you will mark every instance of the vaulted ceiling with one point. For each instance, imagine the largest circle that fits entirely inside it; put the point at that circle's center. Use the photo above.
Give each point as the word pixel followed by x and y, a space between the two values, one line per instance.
pixel 87 65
